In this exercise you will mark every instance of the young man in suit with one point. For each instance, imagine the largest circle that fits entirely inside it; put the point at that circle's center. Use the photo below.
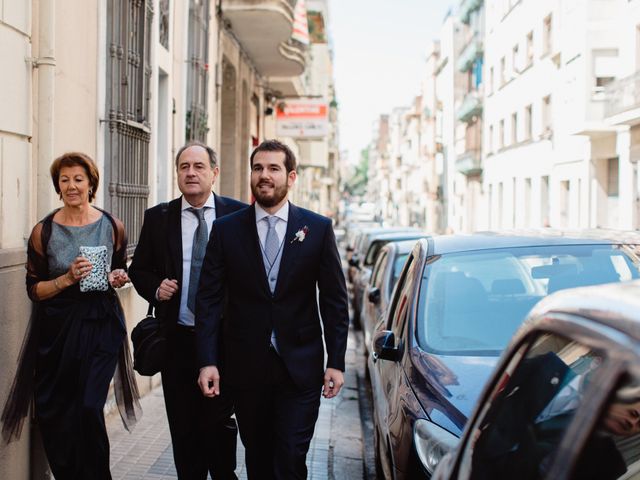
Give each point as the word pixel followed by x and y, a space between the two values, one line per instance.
pixel 275 272
pixel 165 270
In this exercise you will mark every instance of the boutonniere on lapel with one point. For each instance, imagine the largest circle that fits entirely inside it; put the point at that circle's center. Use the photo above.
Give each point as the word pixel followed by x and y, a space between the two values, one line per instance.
pixel 301 234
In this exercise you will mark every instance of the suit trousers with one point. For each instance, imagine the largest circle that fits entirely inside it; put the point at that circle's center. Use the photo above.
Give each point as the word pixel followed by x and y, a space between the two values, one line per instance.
pixel 276 423
pixel 203 433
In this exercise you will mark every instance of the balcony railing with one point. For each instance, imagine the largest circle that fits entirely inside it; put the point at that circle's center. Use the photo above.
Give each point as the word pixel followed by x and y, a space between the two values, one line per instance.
pixel 469 54
pixel 623 95
pixel 467 7
pixel 471 107
pixel 469 163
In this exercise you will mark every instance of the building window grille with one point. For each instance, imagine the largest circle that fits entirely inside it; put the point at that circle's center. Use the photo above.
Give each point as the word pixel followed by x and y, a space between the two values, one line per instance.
pixel 127 97
pixel 198 69
pixel 163 23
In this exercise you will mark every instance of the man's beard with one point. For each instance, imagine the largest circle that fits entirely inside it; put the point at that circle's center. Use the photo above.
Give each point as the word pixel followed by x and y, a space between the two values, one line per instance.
pixel 279 193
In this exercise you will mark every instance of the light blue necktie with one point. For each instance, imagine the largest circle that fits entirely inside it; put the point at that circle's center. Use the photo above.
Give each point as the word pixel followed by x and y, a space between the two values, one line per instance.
pixel 271 242
pixel 200 238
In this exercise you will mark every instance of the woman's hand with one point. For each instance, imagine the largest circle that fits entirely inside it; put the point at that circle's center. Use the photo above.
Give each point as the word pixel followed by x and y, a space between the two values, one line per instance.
pixel 79 268
pixel 118 277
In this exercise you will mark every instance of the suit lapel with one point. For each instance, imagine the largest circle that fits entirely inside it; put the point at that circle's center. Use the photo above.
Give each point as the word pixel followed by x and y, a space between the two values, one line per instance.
pixel 252 247
pixel 290 248
pixel 174 234
pixel 221 206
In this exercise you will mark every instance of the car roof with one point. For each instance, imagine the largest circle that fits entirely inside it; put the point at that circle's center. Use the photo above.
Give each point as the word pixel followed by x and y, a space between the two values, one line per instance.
pixel 402 246
pixel 614 305
pixel 443 244
pixel 401 235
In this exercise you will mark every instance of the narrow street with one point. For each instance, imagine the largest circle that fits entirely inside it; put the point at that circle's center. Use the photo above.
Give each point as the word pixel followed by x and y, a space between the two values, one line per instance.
pixel 336 451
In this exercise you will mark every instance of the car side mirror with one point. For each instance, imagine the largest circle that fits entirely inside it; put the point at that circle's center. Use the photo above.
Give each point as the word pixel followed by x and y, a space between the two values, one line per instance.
pixel 374 295
pixel 384 346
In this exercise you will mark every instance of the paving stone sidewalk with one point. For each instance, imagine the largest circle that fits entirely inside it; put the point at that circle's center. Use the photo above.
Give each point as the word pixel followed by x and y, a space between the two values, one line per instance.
pixel 336 451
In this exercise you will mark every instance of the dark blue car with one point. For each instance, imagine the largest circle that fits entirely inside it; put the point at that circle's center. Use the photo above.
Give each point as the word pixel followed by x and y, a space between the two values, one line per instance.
pixel 454 309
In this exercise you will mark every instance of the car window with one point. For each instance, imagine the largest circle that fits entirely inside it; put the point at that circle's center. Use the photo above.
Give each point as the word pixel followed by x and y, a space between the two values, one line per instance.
pixel 399 303
pixel 376 275
pixel 474 301
pixel 397 268
pixel 612 450
pixel 520 427
pixel 372 253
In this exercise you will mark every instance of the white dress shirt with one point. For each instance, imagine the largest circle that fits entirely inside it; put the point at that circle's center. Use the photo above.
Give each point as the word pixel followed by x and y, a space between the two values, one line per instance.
pixel 189 224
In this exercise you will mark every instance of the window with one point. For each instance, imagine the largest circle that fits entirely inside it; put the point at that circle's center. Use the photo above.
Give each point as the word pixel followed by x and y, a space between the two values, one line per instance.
pixel 514 128
pixel 490 140
pixel 613 177
pixel 522 428
pixel 503 73
pixel 527 122
pixel 545 205
pixel 529 48
pixel 129 129
pixel 500 286
pixel 163 23
pixel 515 60
pixel 197 74
pixel 547 35
pixel 501 135
pixel 399 305
pixel 605 68
pixel 546 115
pixel 378 269
pixel 491 80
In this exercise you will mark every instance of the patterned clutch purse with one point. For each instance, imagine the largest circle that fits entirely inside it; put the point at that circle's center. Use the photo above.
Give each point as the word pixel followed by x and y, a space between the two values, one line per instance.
pixel 97 280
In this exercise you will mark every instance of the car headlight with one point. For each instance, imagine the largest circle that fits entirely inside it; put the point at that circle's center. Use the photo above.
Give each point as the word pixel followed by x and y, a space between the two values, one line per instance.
pixel 432 443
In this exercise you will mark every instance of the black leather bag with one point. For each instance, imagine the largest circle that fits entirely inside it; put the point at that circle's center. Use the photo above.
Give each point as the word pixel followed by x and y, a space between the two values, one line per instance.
pixel 149 344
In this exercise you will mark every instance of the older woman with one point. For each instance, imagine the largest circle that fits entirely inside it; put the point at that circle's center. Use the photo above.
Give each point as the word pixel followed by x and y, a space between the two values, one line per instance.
pixel 77 336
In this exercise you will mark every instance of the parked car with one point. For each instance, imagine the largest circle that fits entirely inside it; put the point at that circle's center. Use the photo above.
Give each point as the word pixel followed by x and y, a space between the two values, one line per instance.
pixel 564 401
pixel 384 277
pixel 454 309
pixel 364 264
pixel 361 240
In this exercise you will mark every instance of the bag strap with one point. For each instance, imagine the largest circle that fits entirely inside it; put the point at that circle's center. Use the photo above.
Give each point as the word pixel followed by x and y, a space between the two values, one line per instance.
pixel 164 206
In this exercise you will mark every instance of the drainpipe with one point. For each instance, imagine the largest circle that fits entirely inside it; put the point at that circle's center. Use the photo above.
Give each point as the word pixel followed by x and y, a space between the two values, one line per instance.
pixel 46 65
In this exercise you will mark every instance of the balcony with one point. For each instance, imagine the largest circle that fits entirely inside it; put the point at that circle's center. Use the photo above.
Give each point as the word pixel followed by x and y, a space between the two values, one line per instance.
pixel 467 7
pixel 264 29
pixel 471 107
pixel 623 101
pixel 469 163
pixel 471 51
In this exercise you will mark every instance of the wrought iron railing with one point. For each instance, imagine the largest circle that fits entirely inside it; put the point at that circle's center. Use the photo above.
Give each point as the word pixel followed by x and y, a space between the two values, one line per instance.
pixel 128 96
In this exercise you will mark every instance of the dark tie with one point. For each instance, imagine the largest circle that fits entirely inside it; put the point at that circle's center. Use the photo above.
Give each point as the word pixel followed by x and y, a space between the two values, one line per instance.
pixel 271 243
pixel 200 238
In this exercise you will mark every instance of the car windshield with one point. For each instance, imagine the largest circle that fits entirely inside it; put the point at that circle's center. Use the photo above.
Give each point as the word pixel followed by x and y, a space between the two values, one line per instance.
pixel 474 301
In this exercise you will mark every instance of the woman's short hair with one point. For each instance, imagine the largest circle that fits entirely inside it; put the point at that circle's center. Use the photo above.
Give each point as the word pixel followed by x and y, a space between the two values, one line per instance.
pixel 72 159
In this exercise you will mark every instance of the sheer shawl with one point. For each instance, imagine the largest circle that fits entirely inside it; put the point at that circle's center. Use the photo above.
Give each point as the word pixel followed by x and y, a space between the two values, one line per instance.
pixel 21 393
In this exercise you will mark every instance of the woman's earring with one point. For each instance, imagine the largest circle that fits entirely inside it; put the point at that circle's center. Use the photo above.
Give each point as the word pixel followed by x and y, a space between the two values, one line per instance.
pixel 90 191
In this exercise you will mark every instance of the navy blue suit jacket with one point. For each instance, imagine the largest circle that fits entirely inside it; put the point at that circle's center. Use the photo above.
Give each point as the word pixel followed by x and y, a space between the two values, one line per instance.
pixel 158 254
pixel 310 298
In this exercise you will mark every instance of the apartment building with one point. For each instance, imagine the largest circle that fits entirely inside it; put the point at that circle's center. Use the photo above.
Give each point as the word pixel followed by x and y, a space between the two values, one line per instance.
pixel 546 147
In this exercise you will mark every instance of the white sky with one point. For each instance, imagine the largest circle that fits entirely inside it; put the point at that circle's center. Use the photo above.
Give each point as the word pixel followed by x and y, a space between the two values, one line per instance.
pixel 379 55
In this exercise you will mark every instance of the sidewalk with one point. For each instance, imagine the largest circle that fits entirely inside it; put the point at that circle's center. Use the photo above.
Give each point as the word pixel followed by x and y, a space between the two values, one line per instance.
pixel 336 450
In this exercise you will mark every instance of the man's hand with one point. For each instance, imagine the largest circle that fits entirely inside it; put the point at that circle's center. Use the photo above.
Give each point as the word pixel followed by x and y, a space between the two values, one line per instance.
pixel 333 381
pixel 209 381
pixel 166 289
